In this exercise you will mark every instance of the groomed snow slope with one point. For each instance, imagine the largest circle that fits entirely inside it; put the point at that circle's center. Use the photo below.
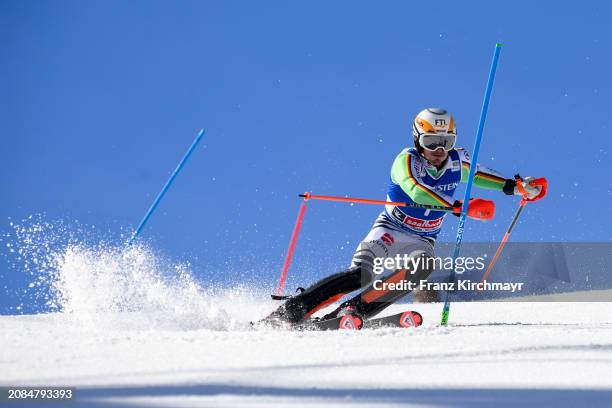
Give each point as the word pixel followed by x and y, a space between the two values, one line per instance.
pixel 492 354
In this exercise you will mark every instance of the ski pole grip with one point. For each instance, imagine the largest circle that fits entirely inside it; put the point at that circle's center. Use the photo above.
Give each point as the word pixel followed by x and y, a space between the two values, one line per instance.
pixel 519 186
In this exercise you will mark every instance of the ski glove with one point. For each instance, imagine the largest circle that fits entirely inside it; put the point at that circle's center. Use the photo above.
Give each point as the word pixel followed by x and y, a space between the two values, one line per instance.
pixel 477 208
pixel 530 188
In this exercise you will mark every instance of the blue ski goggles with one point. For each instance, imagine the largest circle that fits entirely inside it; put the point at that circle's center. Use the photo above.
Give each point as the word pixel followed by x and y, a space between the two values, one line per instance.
pixel 433 142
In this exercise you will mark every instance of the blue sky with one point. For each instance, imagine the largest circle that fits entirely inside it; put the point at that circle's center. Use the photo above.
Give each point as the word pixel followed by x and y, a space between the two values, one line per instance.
pixel 100 99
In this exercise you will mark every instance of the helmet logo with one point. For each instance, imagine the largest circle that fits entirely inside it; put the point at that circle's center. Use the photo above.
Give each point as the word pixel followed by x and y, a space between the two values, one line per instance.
pixel 425 125
pixel 440 122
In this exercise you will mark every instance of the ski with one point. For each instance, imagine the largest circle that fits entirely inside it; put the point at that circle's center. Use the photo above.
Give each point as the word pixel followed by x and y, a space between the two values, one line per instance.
pixel 345 322
pixel 350 321
pixel 405 319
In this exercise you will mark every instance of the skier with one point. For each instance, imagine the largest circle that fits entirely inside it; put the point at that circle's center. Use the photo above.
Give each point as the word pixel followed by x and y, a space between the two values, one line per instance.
pixel 426 174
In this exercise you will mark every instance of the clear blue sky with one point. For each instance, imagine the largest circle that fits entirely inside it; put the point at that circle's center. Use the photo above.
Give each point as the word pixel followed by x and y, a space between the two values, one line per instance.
pixel 99 100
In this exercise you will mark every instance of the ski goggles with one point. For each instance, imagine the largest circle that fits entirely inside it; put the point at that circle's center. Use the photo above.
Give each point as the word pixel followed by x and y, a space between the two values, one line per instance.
pixel 435 141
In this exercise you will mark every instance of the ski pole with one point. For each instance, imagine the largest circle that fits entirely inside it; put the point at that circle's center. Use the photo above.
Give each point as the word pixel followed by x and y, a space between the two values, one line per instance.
pixel 165 188
pixel 538 182
pixel 290 250
pixel 308 196
pixel 503 242
pixel 468 189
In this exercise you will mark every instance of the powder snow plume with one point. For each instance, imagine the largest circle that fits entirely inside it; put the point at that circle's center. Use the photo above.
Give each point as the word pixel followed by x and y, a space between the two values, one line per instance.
pixel 110 285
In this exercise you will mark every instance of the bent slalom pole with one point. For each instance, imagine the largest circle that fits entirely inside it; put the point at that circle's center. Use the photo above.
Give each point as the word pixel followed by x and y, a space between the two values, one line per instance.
pixel 308 196
pixel 294 235
pixel 478 208
pixel 165 188
pixel 468 189
pixel 538 182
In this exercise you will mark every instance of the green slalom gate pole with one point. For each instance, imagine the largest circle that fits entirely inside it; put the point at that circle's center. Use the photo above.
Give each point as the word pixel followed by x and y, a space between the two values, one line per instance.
pixel 468 189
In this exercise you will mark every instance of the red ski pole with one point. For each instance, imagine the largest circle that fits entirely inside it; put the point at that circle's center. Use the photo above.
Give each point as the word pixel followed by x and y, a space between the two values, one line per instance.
pixel 502 244
pixel 542 182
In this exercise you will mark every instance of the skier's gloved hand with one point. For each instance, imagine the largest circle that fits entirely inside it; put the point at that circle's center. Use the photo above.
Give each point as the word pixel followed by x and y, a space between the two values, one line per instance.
pixel 524 188
pixel 477 208
pixel 530 188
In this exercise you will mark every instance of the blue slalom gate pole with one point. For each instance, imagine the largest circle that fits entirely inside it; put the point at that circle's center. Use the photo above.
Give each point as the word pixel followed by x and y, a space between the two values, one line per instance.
pixel 166 187
pixel 468 189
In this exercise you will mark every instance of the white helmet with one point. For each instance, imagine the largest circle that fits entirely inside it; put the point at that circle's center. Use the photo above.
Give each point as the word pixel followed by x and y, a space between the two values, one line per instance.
pixel 434 128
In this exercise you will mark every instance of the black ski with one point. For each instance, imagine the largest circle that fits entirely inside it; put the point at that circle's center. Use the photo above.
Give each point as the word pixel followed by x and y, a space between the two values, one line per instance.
pixel 346 322
pixel 405 319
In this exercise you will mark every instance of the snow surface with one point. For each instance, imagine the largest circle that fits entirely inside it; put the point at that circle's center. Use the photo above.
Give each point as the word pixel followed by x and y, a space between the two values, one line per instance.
pixel 492 354
pixel 133 329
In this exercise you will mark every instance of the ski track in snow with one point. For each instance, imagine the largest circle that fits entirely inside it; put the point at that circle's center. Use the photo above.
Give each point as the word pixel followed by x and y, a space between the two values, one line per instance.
pixel 492 354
